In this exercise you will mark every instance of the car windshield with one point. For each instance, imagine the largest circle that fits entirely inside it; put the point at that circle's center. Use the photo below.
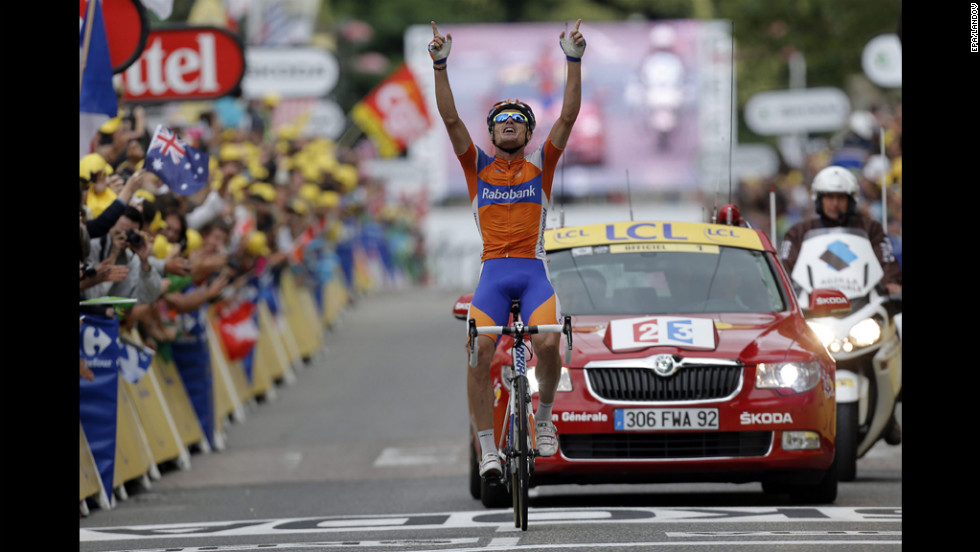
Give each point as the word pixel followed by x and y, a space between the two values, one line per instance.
pixel 692 279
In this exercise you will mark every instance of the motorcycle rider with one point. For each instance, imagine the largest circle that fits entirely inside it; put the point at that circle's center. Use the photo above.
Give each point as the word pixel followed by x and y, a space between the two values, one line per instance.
pixel 835 195
pixel 834 191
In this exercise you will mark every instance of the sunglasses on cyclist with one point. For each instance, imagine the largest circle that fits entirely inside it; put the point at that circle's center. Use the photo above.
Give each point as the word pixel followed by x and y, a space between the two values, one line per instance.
pixel 516 116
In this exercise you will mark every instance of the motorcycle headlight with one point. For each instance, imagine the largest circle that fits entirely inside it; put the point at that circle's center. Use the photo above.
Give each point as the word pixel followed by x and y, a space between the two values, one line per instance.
pixel 863 334
pixel 866 332
pixel 564 380
pixel 824 333
pixel 796 376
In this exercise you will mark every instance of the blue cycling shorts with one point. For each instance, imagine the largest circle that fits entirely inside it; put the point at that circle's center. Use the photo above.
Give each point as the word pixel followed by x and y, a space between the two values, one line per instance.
pixel 509 278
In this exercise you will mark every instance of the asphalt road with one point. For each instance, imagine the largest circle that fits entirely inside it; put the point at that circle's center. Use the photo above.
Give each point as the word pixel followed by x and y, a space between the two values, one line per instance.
pixel 367 450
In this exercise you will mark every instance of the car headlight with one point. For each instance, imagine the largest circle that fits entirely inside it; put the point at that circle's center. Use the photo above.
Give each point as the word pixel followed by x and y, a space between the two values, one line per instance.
pixel 564 380
pixel 797 376
pixel 864 333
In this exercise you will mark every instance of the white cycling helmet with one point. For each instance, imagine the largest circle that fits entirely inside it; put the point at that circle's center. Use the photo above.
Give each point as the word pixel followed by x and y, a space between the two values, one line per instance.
pixel 834 180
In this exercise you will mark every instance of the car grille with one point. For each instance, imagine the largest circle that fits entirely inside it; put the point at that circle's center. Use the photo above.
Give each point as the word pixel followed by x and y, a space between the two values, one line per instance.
pixel 690 383
pixel 665 446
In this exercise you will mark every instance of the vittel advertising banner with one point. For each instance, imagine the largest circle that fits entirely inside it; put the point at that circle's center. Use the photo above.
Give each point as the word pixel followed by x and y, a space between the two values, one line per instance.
pixel 186 63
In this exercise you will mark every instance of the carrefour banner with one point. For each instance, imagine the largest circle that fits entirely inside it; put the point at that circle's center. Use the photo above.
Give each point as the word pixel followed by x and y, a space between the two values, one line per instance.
pixel 134 359
pixel 97 406
pixel 193 360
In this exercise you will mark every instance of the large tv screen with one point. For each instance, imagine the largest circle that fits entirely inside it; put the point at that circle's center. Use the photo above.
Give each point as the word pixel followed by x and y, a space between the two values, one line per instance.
pixel 656 100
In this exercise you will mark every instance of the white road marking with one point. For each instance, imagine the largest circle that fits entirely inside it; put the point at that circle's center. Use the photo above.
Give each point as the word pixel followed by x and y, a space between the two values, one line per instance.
pixel 783 533
pixel 400 544
pixel 420 456
pixel 778 545
pixel 494 519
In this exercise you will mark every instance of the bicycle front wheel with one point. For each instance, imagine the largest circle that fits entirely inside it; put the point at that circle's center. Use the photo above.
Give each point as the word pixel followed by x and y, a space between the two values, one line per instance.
pixel 522 453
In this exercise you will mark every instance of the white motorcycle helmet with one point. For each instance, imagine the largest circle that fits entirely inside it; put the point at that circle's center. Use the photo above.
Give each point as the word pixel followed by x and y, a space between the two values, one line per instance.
pixel 834 180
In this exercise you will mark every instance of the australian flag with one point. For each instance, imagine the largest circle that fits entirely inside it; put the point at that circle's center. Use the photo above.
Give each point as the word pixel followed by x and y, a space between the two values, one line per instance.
pixel 183 168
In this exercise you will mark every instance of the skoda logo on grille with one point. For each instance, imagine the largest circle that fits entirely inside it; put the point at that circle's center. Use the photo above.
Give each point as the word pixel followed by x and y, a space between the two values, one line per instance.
pixel 664 365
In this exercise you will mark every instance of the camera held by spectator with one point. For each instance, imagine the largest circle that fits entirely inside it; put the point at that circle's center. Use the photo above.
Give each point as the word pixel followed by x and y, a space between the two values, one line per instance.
pixel 134 238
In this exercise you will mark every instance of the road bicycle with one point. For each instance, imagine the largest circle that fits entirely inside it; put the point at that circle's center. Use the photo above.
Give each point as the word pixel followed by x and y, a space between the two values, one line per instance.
pixel 516 443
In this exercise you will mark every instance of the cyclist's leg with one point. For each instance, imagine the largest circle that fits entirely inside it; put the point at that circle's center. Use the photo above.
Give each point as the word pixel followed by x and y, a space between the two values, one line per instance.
pixel 540 301
pixel 490 306
pixel 539 305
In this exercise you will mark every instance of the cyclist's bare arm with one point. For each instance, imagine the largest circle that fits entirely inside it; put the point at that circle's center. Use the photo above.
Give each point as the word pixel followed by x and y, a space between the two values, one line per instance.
pixel 572 101
pixel 459 137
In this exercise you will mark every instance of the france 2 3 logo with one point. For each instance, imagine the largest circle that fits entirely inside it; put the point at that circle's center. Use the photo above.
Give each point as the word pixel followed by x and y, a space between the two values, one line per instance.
pixel 635 333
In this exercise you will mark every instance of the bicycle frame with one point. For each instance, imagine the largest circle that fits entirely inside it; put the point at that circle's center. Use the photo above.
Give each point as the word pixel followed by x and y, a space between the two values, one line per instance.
pixel 519 362
pixel 517 436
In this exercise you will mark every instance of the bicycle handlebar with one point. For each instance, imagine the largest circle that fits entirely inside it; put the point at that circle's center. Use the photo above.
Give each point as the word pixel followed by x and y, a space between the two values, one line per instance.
pixel 565 328
pixel 512 330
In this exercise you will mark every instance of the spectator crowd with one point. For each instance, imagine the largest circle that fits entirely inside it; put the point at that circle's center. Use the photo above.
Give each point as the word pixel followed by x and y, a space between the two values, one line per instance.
pixel 276 200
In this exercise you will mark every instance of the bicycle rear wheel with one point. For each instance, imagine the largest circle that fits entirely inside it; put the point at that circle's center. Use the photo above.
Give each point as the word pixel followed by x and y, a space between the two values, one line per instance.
pixel 522 454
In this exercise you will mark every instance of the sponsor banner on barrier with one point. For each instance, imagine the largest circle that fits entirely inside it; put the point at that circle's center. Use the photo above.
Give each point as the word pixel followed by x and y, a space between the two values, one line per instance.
pixel 97 399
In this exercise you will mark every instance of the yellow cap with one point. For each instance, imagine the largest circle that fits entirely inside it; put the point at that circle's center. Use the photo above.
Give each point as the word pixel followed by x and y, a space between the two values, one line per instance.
pixel 346 174
pixel 328 198
pixel 161 247
pixel 309 192
pixel 157 223
pixel 237 185
pixel 271 99
pixel 258 170
pixel 299 205
pixel 194 240
pixel 111 126
pixel 91 164
pixel 263 190
pixel 257 244
pixel 145 194
pixel 896 172
pixel 230 152
pixel 288 132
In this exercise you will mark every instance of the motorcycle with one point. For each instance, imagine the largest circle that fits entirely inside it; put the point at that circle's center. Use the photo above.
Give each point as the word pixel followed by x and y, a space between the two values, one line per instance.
pixel 662 75
pixel 866 342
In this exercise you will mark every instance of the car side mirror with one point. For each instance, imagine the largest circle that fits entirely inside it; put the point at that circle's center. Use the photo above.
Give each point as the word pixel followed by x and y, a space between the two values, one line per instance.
pixel 462 307
pixel 827 302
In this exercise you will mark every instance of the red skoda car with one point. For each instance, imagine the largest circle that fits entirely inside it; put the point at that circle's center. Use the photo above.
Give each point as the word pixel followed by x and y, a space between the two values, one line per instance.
pixel 691 362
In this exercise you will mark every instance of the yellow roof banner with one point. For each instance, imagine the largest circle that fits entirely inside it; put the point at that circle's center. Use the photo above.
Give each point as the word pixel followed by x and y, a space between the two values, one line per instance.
pixel 638 232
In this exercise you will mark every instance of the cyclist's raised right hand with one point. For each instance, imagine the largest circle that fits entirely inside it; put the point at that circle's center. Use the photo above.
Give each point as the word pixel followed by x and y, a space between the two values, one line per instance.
pixel 439 46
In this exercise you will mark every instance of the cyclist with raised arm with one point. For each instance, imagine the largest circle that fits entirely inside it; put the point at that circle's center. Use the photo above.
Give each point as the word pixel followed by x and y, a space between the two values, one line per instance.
pixel 510 193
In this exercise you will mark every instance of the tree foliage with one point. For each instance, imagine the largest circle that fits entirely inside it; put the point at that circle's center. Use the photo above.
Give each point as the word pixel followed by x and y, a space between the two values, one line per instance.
pixel 830 34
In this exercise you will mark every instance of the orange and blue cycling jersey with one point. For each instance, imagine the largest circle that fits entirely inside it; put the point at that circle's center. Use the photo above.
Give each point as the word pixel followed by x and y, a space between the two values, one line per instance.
pixel 510 201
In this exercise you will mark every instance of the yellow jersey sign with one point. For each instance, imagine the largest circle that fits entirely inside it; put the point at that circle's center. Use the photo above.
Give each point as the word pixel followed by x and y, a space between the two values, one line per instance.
pixel 637 232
